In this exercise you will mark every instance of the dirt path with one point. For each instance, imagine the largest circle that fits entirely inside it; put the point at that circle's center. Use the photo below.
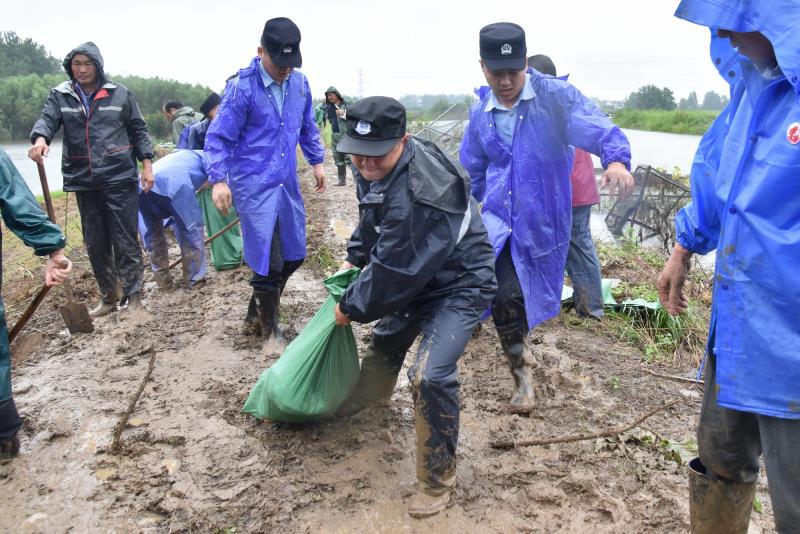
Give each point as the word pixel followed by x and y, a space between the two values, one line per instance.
pixel 192 462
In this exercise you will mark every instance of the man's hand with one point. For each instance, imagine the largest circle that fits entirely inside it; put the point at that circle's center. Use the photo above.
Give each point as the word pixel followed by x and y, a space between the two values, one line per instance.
pixel 148 181
pixel 221 195
pixel 345 265
pixel 341 319
pixel 319 175
pixel 617 177
pixel 671 280
pixel 57 269
pixel 340 113
pixel 39 150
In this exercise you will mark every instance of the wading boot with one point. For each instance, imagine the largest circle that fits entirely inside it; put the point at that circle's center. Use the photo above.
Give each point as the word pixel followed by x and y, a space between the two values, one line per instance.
pixel 9 448
pixel 520 362
pixel 375 383
pixel 718 505
pixel 133 302
pixel 267 303
pixel 342 170
pixel 103 308
pixel 435 487
pixel 251 326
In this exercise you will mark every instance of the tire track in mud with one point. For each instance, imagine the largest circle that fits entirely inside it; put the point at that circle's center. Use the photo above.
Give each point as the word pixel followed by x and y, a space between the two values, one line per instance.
pixel 191 461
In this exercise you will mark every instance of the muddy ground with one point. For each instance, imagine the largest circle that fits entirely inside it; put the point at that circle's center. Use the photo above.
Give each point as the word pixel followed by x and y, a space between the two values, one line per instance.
pixel 192 462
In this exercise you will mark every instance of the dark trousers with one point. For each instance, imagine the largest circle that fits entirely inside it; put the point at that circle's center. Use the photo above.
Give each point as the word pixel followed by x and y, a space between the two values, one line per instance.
pixel 583 266
pixel 9 418
pixel 109 219
pixel 433 376
pixel 731 441
pixel 279 269
pixel 508 308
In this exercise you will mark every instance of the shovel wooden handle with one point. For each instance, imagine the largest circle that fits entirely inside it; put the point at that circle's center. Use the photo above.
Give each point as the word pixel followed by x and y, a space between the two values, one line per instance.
pixel 209 239
pixel 48 204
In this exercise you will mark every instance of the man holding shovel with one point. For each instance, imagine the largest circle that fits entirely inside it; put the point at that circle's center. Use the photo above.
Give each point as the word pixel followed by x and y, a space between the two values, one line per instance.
pixel 23 216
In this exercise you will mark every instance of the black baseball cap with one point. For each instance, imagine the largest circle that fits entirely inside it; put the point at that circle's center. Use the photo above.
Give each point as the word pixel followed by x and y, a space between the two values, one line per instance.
pixel 281 40
pixel 376 123
pixel 210 103
pixel 503 46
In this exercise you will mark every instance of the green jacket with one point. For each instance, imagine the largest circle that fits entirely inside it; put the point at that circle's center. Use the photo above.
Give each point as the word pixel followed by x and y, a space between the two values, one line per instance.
pixel 23 216
pixel 183 118
pixel 342 122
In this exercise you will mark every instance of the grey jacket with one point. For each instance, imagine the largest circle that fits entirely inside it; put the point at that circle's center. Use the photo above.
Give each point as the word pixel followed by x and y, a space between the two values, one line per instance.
pixel 101 147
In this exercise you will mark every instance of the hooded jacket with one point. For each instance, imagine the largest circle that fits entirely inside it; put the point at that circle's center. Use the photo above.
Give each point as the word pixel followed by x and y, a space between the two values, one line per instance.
pixel 745 183
pixel 183 118
pixel 101 147
pixel 420 239
pixel 338 124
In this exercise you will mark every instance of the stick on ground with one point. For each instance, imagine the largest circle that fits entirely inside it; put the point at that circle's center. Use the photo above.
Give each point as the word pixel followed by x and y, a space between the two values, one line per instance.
pixel 123 421
pixel 673 377
pixel 505 444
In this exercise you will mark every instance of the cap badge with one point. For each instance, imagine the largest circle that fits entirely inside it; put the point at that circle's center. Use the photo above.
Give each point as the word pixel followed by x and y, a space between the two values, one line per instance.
pixel 505 50
pixel 793 133
pixel 363 127
pixel 287 50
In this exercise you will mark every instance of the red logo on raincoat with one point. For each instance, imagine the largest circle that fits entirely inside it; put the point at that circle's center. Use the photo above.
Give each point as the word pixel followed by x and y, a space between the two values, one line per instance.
pixel 793 133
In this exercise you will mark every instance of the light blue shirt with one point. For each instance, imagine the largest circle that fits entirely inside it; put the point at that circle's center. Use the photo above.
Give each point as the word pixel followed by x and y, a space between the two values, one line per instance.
pixel 277 91
pixel 505 119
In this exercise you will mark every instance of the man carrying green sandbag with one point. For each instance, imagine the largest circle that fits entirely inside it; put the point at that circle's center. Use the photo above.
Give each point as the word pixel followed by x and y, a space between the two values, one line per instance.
pixel 428 268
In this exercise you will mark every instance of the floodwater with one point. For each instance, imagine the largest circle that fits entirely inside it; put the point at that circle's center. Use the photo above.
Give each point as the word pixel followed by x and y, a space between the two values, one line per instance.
pixel 18 152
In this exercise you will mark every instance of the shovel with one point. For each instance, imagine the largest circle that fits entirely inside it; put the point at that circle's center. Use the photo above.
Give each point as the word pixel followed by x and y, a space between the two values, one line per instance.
pixel 75 315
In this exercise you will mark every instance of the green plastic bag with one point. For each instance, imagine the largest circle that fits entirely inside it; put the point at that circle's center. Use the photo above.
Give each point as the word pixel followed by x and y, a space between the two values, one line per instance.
pixel 226 250
pixel 318 370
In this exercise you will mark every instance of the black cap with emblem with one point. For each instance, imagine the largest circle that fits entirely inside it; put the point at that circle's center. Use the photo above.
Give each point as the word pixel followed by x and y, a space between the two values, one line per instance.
pixel 281 40
pixel 503 46
pixel 376 124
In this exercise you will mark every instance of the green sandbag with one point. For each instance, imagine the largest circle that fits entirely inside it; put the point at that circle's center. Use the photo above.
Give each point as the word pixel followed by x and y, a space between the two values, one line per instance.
pixel 318 370
pixel 226 250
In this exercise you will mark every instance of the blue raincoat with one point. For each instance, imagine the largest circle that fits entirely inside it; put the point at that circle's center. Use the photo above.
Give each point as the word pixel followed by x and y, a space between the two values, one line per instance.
pixel 745 196
pixel 253 147
pixel 527 197
pixel 177 177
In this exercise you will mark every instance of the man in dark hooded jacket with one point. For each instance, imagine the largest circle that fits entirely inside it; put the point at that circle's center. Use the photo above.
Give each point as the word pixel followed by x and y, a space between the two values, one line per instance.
pixel 104 135
pixel 428 268
pixel 334 112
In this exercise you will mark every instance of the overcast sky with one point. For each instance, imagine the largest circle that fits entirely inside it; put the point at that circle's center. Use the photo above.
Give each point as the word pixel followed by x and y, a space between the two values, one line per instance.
pixel 610 47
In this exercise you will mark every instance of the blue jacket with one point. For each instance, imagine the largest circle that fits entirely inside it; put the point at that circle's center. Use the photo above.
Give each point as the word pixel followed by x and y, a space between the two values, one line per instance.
pixel 253 147
pixel 193 136
pixel 745 198
pixel 526 192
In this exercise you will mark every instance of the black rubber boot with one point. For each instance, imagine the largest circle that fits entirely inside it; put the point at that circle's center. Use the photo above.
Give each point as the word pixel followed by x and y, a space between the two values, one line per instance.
pixel 718 505
pixel 342 170
pixel 9 448
pixel 267 307
pixel 251 326
pixel 520 362
pixel 375 383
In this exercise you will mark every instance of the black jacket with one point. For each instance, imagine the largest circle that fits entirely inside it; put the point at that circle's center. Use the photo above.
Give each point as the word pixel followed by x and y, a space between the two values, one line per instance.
pixel 99 150
pixel 420 239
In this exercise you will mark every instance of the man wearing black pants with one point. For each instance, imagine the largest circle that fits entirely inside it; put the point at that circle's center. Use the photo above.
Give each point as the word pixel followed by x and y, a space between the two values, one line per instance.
pixel 104 134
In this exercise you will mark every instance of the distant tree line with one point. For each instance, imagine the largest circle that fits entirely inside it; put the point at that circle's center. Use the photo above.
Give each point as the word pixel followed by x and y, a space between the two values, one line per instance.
pixel 652 97
pixel 28 73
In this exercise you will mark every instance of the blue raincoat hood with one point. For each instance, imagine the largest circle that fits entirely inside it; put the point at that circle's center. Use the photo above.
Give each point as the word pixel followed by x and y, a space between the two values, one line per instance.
pixel 778 20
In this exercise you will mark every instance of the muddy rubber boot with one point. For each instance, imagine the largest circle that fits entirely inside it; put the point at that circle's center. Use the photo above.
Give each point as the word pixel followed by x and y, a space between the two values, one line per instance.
pixel 251 326
pixel 267 303
pixel 103 308
pixel 434 490
pixel 9 448
pixel 164 281
pixel 375 384
pixel 718 505
pixel 342 170
pixel 520 362
pixel 133 302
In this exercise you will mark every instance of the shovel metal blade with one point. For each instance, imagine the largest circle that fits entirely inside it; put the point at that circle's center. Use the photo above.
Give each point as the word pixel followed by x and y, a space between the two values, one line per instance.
pixel 77 318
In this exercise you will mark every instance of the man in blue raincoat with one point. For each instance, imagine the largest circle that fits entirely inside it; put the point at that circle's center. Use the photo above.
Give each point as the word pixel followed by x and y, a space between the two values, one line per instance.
pixel 518 152
pixel 23 216
pixel 745 195
pixel 251 145
pixel 178 176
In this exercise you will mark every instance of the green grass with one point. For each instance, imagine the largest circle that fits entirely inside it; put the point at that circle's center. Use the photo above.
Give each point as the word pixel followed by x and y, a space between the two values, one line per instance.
pixel 694 122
